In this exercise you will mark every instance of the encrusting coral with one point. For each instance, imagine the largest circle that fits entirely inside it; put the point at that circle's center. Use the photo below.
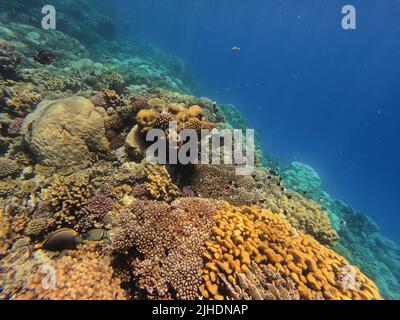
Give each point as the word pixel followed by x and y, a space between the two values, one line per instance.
pixel 246 234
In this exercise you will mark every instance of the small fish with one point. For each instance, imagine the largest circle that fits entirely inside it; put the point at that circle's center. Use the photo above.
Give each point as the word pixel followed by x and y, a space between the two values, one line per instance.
pixel 343 222
pixel 59 240
pixel 95 235
pixel 235 49
pixel 45 57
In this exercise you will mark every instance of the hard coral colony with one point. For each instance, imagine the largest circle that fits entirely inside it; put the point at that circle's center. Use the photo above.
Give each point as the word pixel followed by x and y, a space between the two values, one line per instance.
pixel 72 174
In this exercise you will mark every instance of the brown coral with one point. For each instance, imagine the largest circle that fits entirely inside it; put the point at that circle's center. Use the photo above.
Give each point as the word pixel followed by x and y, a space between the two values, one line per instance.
pixel 259 283
pixel 221 182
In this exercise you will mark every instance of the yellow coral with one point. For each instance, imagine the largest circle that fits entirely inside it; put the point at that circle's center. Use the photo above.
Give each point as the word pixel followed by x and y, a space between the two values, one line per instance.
pixel 147 119
pixel 245 234
pixel 159 183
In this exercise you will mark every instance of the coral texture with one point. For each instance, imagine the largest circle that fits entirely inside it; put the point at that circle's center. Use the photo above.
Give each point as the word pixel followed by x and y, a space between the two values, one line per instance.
pixel 246 234
pixel 159 183
pixel 165 243
pixel 63 132
pixel 80 275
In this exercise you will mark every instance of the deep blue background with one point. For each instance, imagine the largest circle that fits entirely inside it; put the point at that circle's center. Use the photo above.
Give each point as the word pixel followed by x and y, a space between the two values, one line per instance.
pixel 321 95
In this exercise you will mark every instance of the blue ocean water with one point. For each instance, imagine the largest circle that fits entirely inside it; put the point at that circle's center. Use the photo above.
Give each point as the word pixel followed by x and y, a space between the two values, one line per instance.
pixel 319 94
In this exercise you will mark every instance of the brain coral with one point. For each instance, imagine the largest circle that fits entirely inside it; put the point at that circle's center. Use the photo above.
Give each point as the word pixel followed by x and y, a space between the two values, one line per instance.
pixel 63 132
pixel 246 234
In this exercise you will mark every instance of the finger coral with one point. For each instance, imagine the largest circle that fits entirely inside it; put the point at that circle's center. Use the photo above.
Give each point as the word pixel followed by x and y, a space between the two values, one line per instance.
pixel 159 183
pixel 246 234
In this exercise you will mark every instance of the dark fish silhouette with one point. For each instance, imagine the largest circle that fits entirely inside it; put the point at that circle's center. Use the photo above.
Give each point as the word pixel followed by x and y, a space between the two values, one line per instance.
pixel 45 57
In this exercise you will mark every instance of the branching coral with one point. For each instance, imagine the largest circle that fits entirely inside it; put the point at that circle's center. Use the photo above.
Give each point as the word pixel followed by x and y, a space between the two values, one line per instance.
pixel 258 283
pixel 13 222
pixel 159 183
pixel 165 244
pixel 8 167
pixel 196 124
pixel 68 195
pixel 99 205
pixel 245 234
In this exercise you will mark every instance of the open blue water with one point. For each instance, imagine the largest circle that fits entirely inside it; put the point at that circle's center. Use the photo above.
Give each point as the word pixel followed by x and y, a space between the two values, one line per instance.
pixel 319 94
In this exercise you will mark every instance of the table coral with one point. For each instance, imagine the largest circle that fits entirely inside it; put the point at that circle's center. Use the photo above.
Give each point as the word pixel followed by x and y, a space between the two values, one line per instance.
pixel 245 234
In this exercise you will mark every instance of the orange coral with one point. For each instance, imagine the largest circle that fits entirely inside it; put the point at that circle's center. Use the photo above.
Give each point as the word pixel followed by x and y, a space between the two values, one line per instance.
pixel 245 234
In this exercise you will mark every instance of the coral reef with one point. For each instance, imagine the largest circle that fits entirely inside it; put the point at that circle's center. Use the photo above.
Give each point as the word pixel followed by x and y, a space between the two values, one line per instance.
pixel 9 60
pixel 68 195
pixel 72 144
